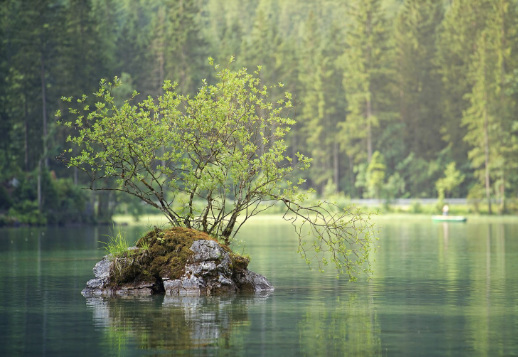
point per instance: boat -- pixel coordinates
(449, 218)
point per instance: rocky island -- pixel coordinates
(176, 262)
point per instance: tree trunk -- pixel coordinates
(230, 227)
(44, 109)
(486, 162)
(40, 199)
(104, 213)
(336, 166)
(503, 207)
(368, 99)
(369, 130)
(26, 135)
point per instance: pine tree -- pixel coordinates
(31, 39)
(321, 100)
(463, 21)
(261, 46)
(365, 77)
(418, 82)
(186, 51)
(491, 112)
(132, 35)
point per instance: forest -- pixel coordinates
(392, 98)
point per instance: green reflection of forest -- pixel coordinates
(346, 326)
(458, 280)
(453, 283)
(493, 277)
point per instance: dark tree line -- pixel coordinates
(392, 98)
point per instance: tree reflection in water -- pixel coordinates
(347, 326)
(171, 323)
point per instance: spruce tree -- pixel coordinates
(490, 115)
(365, 77)
(418, 82)
(321, 100)
(463, 21)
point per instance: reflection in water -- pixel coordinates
(446, 235)
(171, 323)
(437, 290)
(348, 326)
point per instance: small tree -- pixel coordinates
(376, 174)
(451, 180)
(210, 162)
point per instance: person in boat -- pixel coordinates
(445, 210)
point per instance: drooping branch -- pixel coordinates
(341, 237)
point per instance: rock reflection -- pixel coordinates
(171, 323)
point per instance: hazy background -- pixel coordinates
(393, 98)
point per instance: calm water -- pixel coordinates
(438, 289)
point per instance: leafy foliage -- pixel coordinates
(210, 161)
(376, 174)
(451, 180)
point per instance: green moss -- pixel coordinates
(239, 262)
(163, 253)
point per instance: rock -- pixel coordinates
(96, 286)
(208, 269)
(249, 281)
(185, 286)
(208, 273)
(206, 250)
(102, 269)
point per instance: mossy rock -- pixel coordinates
(163, 254)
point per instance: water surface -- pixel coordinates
(438, 289)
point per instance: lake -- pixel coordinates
(438, 289)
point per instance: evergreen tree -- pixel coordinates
(186, 51)
(418, 86)
(463, 21)
(10, 158)
(321, 100)
(31, 42)
(491, 112)
(132, 37)
(261, 46)
(418, 82)
(375, 175)
(365, 77)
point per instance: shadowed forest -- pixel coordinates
(392, 98)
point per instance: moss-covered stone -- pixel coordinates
(238, 261)
(163, 262)
(163, 254)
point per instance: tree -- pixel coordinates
(185, 48)
(490, 115)
(459, 31)
(321, 94)
(375, 175)
(365, 76)
(212, 175)
(451, 180)
(418, 82)
(31, 39)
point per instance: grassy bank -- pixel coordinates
(478, 209)
(160, 221)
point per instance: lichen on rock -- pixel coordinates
(177, 261)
